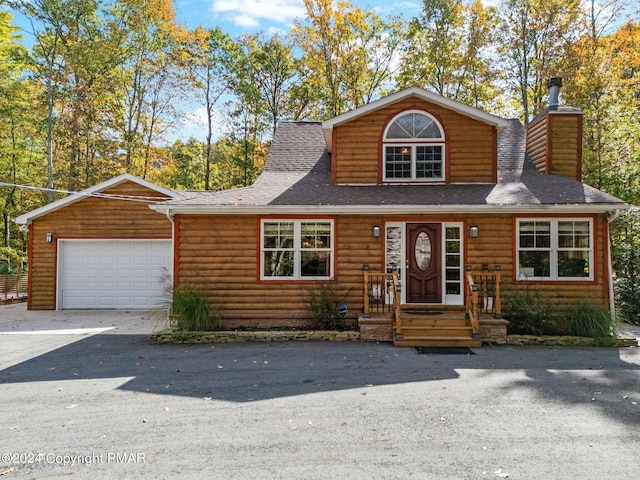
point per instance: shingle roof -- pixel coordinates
(297, 174)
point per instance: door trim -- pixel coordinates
(394, 250)
(424, 283)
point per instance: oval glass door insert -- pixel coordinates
(423, 251)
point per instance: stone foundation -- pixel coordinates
(262, 322)
(493, 330)
(568, 341)
(375, 329)
(178, 336)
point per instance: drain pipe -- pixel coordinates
(612, 302)
(173, 250)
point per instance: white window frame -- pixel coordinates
(554, 249)
(411, 145)
(298, 249)
(453, 299)
(448, 299)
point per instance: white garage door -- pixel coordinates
(112, 273)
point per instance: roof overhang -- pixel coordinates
(27, 218)
(582, 209)
(494, 120)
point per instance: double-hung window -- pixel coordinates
(413, 148)
(555, 249)
(296, 249)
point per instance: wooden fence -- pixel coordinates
(13, 286)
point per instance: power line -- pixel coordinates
(113, 196)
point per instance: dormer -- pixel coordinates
(413, 137)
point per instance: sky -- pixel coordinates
(269, 16)
(247, 16)
(251, 16)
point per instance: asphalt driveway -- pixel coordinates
(84, 395)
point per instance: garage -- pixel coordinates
(101, 248)
(110, 274)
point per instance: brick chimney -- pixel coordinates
(554, 137)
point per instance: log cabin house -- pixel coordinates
(415, 208)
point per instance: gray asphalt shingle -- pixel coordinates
(297, 173)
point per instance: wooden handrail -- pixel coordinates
(376, 288)
(382, 293)
(483, 295)
(366, 310)
(395, 285)
(472, 304)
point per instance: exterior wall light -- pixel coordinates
(49, 237)
(473, 231)
(376, 231)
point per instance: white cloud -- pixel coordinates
(197, 118)
(194, 124)
(245, 21)
(249, 13)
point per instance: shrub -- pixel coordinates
(193, 310)
(628, 299)
(588, 319)
(324, 306)
(529, 312)
(11, 261)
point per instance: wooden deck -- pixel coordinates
(434, 327)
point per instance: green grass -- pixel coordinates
(588, 319)
(194, 311)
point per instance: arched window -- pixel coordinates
(413, 148)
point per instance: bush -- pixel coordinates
(194, 311)
(627, 293)
(11, 261)
(529, 312)
(588, 319)
(324, 306)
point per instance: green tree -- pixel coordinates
(18, 133)
(49, 20)
(208, 57)
(434, 49)
(535, 36)
(148, 34)
(273, 69)
(348, 54)
(449, 50)
(185, 170)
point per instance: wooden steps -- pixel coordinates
(435, 328)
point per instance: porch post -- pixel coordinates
(366, 308)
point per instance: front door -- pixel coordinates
(423, 263)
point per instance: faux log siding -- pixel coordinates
(357, 246)
(554, 143)
(220, 255)
(564, 294)
(470, 143)
(566, 145)
(537, 143)
(496, 244)
(89, 218)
